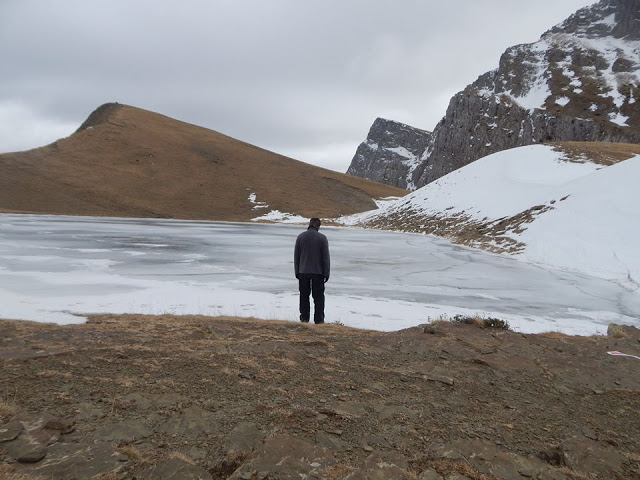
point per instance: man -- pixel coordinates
(311, 263)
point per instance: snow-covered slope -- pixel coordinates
(537, 202)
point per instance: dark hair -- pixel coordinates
(315, 221)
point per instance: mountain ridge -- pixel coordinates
(579, 82)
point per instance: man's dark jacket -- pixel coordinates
(311, 254)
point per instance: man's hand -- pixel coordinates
(297, 276)
(326, 279)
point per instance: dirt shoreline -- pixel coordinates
(133, 396)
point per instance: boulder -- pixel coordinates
(429, 474)
(591, 457)
(245, 437)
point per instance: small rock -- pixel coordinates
(367, 448)
(10, 431)
(438, 378)
(27, 448)
(336, 431)
(430, 474)
(31, 455)
(64, 426)
(589, 433)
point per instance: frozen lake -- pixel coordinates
(57, 269)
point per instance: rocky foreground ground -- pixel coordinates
(161, 397)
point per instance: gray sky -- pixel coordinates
(304, 78)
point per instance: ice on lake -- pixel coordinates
(59, 269)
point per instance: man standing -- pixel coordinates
(311, 263)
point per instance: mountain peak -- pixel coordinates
(614, 18)
(579, 82)
(100, 115)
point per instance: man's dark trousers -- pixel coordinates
(311, 283)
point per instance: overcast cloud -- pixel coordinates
(305, 78)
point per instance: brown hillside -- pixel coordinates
(129, 162)
(162, 397)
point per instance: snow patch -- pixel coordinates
(280, 217)
(257, 205)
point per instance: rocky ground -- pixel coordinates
(161, 397)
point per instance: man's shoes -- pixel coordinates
(318, 320)
(304, 320)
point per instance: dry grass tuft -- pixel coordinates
(554, 335)
(482, 322)
(180, 456)
(337, 471)
(7, 410)
(601, 153)
(448, 466)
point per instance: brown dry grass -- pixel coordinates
(135, 163)
(446, 466)
(180, 456)
(7, 410)
(337, 471)
(602, 153)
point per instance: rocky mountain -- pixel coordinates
(128, 162)
(390, 153)
(579, 82)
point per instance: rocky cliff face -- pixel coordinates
(579, 82)
(391, 153)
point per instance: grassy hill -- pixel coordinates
(128, 162)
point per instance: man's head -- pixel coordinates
(315, 222)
